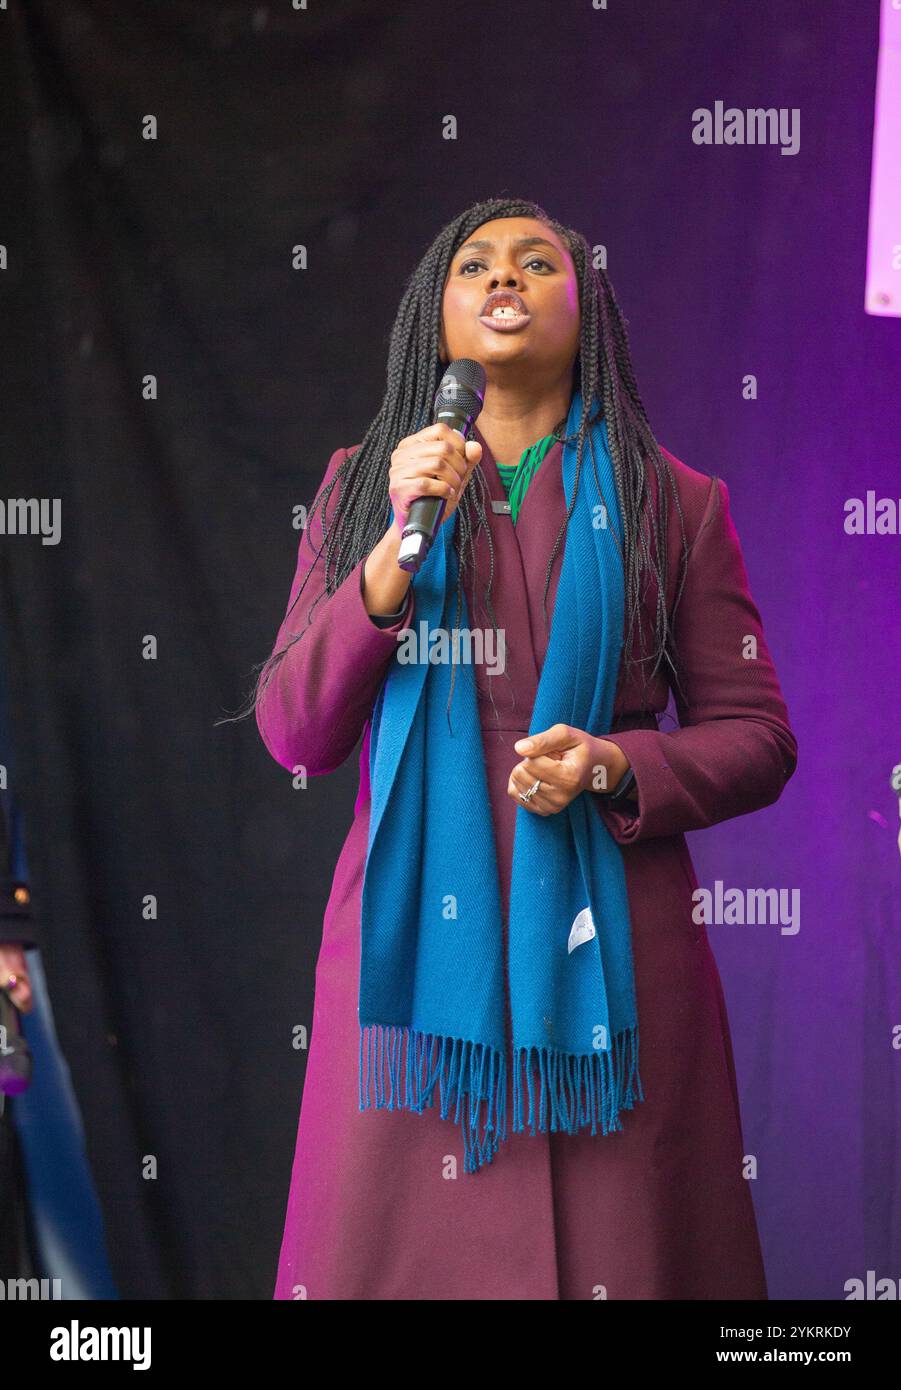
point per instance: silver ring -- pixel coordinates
(527, 796)
(11, 982)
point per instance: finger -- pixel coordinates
(438, 430)
(538, 802)
(408, 492)
(550, 770)
(474, 458)
(436, 458)
(423, 436)
(558, 737)
(438, 437)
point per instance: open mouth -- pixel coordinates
(505, 318)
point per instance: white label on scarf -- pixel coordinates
(581, 930)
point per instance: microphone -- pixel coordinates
(458, 401)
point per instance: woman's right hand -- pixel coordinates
(434, 462)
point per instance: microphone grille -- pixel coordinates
(463, 384)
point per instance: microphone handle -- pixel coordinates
(421, 527)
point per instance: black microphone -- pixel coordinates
(458, 401)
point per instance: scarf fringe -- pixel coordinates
(579, 1090)
(459, 1068)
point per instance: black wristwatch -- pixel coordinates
(383, 619)
(622, 786)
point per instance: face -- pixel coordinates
(525, 256)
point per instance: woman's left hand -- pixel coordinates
(567, 761)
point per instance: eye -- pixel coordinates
(533, 260)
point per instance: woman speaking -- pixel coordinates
(520, 1082)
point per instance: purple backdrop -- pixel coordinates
(737, 260)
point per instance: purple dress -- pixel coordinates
(379, 1205)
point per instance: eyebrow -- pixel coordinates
(520, 241)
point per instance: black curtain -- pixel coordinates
(172, 258)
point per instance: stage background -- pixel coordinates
(173, 257)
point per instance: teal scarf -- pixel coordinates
(432, 1001)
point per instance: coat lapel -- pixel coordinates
(521, 553)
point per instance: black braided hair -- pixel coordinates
(603, 369)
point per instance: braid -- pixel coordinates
(362, 513)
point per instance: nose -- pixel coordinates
(505, 275)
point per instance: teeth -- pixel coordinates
(506, 311)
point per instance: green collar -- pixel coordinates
(516, 477)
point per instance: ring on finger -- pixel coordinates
(527, 796)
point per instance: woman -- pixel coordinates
(651, 1203)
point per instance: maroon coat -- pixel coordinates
(377, 1208)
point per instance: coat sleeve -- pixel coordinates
(734, 750)
(318, 697)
